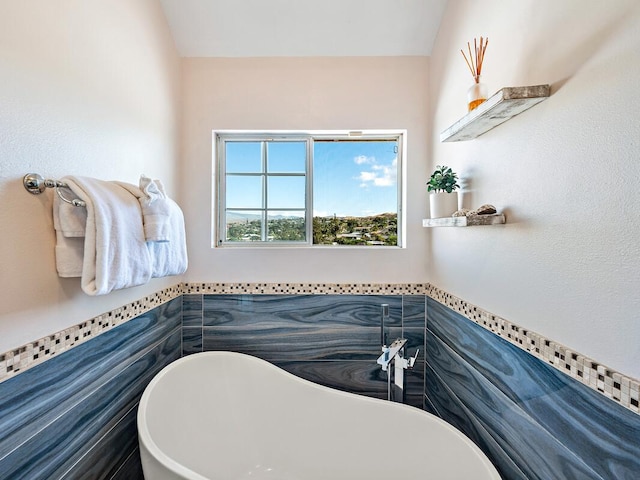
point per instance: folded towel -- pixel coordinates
(69, 255)
(69, 219)
(155, 210)
(168, 257)
(115, 251)
(70, 229)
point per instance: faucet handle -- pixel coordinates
(412, 360)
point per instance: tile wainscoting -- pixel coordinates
(93, 374)
(533, 421)
(333, 340)
(74, 416)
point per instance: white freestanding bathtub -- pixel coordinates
(224, 415)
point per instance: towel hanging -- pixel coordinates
(124, 235)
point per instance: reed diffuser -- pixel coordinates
(477, 93)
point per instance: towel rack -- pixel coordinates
(35, 184)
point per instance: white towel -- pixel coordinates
(69, 243)
(67, 218)
(169, 257)
(115, 251)
(155, 210)
(69, 255)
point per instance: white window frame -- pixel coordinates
(219, 174)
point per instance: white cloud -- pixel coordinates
(379, 175)
(364, 160)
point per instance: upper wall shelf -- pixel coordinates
(500, 107)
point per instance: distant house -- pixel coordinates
(354, 235)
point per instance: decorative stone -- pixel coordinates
(463, 212)
(485, 209)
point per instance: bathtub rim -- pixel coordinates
(166, 461)
(144, 436)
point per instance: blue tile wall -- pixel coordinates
(74, 416)
(191, 324)
(333, 340)
(533, 421)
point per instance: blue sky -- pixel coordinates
(354, 178)
(350, 178)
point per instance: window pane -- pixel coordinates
(287, 157)
(244, 191)
(243, 157)
(286, 192)
(244, 226)
(286, 226)
(355, 192)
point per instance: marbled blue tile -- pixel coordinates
(441, 401)
(38, 396)
(131, 469)
(428, 406)
(303, 329)
(116, 453)
(274, 342)
(191, 340)
(413, 311)
(414, 378)
(414, 386)
(529, 405)
(192, 310)
(297, 327)
(38, 407)
(415, 340)
(66, 440)
(364, 378)
(301, 310)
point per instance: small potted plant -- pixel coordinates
(443, 199)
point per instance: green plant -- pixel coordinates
(443, 179)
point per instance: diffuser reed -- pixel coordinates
(477, 93)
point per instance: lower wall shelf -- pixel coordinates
(470, 221)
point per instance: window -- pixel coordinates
(309, 188)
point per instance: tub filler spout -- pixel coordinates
(395, 353)
(390, 353)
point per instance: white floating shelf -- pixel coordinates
(470, 221)
(500, 107)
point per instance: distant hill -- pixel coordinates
(379, 229)
(242, 217)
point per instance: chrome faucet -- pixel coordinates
(390, 353)
(394, 353)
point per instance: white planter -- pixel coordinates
(443, 204)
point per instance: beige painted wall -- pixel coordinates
(92, 88)
(86, 88)
(302, 93)
(567, 264)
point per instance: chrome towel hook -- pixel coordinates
(35, 184)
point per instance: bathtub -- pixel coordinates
(224, 415)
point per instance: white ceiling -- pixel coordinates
(262, 28)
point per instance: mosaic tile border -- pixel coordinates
(619, 388)
(308, 288)
(614, 385)
(21, 359)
